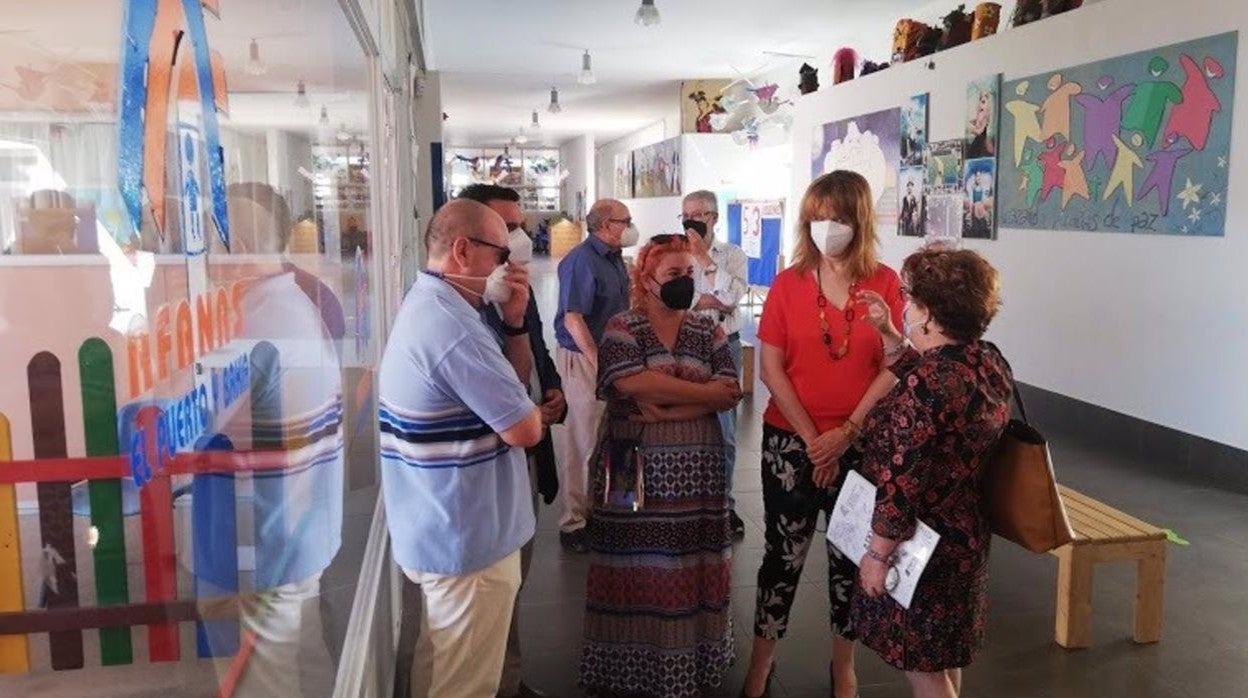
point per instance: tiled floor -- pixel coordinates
(1203, 653)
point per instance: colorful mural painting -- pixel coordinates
(656, 169)
(870, 145)
(1138, 143)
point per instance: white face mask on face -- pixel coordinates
(630, 236)
(831, 237)
(521, 247)
(496, 288)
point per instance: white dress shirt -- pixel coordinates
(729, 283)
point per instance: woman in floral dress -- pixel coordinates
(926, 447)
(658, 613)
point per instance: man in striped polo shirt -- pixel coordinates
(455, 420)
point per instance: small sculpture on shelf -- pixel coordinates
(844, 61)
(929, 42)
(808, 80)
(957, 28)
(987, 17)
(869, 67)
(1057, 7)
(906, 38)
(1026, 12)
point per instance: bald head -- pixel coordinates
(603, 211)
(462, 218)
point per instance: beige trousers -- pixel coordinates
(464, 626)
(580, 434)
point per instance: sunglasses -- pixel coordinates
(504, 253)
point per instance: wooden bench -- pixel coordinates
(1104, 534)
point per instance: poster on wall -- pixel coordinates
(870, 145)
(945, 192)
(624, 175)
(913, 220)
(979, 210)
(699, 101)
(983, 99)
(1137, 144)
(914, 131)
(756, 227)
(656, 170)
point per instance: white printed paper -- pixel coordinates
(849, 529)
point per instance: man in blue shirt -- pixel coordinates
(455, 417)
(593, 287)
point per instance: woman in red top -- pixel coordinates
(825, 365)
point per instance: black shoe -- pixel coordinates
(766, 686)
(574, 541)
(527, 691)
(736, 524)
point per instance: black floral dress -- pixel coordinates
(926, 446)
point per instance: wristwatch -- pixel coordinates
(516, 331)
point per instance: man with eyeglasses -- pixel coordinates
(720, 282)
(593, 287)
(455, 416)
(546, 385)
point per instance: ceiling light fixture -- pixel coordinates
(554, 107)
(586, 76)
(521, 138)
(343, 134)
(301, 95)
(535, 125)
(255, 66)
(647, 14)
(324, 120)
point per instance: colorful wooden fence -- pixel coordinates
(106, 462)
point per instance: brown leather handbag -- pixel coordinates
(1020, 491)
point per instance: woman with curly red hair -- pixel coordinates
(658, 612)
(926, 445)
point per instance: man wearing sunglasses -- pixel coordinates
(593, 287)
(455, 416)
(546, 386)
(720, 282)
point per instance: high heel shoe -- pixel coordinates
(766, 685)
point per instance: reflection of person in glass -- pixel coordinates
(296, 409)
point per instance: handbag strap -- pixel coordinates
(1018, 396)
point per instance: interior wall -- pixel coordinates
(1148, 325)
(577, 156)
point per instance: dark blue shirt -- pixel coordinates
(593, 281)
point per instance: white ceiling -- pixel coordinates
(499, 58)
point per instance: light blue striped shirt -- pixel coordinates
(457, 497)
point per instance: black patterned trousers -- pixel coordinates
(792, 503)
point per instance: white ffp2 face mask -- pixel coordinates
(630, 236)
(496, 289)
(521, 247)
(831, 237)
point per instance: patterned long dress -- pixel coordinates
(658, 618)
(926, 446)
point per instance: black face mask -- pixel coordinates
(677, 294)
(696, 226)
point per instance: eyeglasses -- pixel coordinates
(504, 253)
(623, 221)
(700, 216)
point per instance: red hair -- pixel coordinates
(648, 260)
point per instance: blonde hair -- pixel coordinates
(848, 195)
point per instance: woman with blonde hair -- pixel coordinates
(658, 613)
(824, 362)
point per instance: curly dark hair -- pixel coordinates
(960, 289)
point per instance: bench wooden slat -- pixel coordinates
(1099, 526)
(1071, 496)
(1084, 507)
(1090, 527)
